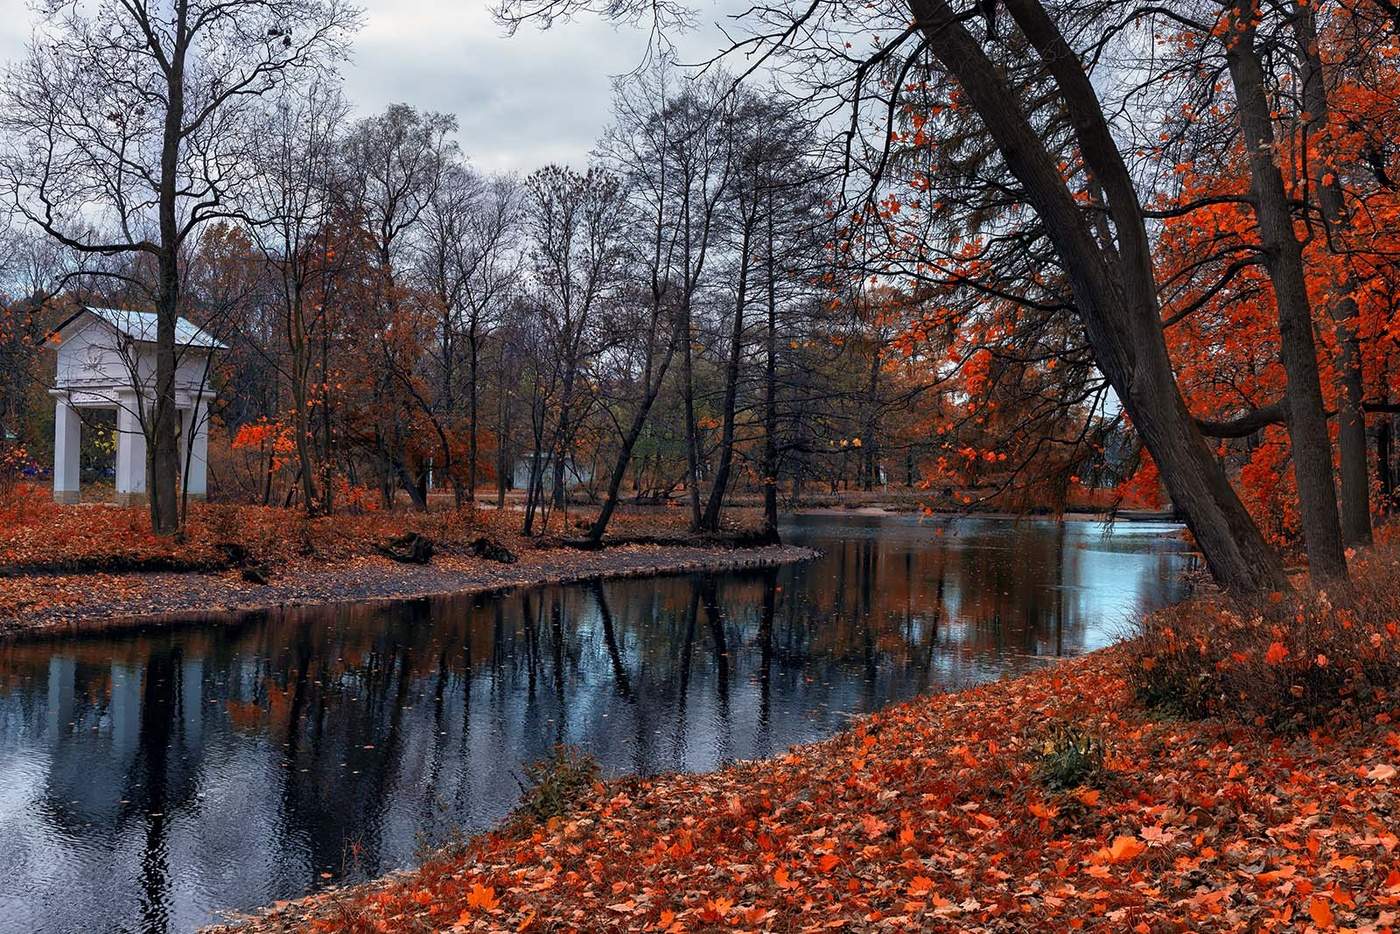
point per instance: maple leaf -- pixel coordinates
(482, 897)
(1321, 912)
(1124, 848)
(715, 909)
(920, 885)
(873, 826)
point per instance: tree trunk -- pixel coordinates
(869, 464)
(692, 441)
(1351, 417)
(473, 351)
(1383, 461)
(624, 457)
(651, 389)
(296, 341)
(1115, 294)
(1283, 257)
(718, 488)
(770, 393)
(163, 455)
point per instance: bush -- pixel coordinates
(1070, 758)
(1287, 661)
(554, 786)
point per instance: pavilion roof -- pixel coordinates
(141, 326)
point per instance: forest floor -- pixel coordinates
(98, 567)
(951, 812)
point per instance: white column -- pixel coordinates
(195, 419)
(67, 438)
(131, 455)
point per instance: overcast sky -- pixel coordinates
(521, 101)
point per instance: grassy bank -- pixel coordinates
(99, 566)
(1091, 795)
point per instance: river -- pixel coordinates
(150, 780)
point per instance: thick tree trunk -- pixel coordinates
(163, 454)
(1115, 298)
(1351, 417)
(1283, 257)
(163, 462)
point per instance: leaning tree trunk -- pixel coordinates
(629, 444)
(718, 489)
(1115, 293)
(1283, 257)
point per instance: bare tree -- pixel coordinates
(640, 146)
(471, 262)
(127, 129)
(289, 206)
(574, 222)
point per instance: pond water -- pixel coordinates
(149, 780)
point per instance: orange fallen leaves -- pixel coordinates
(1321, 913)
(482, 897)
(1125, 848)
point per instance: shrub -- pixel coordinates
(554, 786)
(1286, 661)
(1070, 757)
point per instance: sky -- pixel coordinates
(520, 101)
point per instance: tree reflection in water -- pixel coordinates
(152, 779)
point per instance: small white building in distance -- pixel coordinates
(575, 475)
(107, 360)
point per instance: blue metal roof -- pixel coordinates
(141, 326)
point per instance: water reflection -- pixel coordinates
(149, 780)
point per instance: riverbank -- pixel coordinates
(957, 812)
(97, 568)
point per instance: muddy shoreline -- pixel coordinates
(113, 602)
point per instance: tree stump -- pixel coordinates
(408, 549)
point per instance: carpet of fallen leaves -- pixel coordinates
(929, 816)
(36, 533)
(66, 562)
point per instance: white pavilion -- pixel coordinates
(107, 360)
